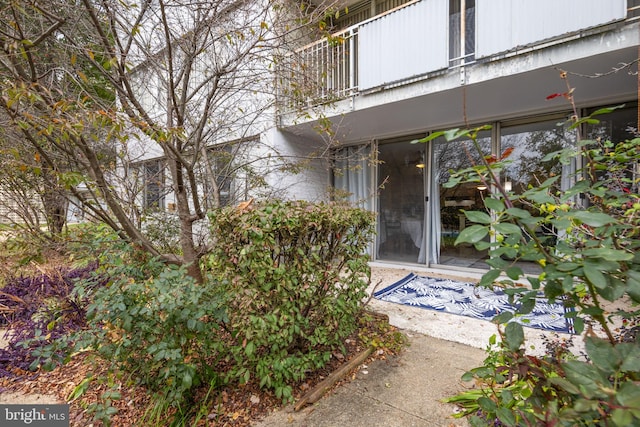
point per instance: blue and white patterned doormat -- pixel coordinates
(465, 299)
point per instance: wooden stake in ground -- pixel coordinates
(319, 390)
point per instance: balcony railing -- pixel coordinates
(633, 10)
(320, 72)
(416, 39)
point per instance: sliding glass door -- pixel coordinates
(401, 209)
(529, 144)
(449, 203)
(419, 217)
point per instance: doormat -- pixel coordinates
(465, 299)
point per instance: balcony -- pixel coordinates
(424, 39)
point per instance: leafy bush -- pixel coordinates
(147, 319)
(594, 261)
(91, 240)
(155, 323)
(163, 229)
(19, 248)
(555, 389)
(292, 275)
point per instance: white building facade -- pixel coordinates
(395, 72)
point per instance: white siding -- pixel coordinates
(402, 44)
(505, 24)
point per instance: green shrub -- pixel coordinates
(153, 322)
(163, 230)
(293, 276)
(20, 247)
(90, 240)
(594, 261)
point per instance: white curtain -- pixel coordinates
(352, 175)
(435, 228)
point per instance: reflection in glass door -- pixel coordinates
(529, 144)
(401, 202)
(449, 204)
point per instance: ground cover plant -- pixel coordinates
(150, 344)
(40, 309)
(590, 262)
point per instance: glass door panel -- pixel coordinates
(618, 126)
(401, 202)
(449, 204)
(529, 144)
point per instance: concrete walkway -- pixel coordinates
(404, 391)
(407, 390)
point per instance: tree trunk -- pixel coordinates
(190, 254)
(54, 204)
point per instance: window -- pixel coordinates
(217, 176)
(153, 189)
(353, 180)
(448, 203)
(617, 126)
(462, 31)
(529, 144)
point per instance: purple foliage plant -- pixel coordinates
(36, 311)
